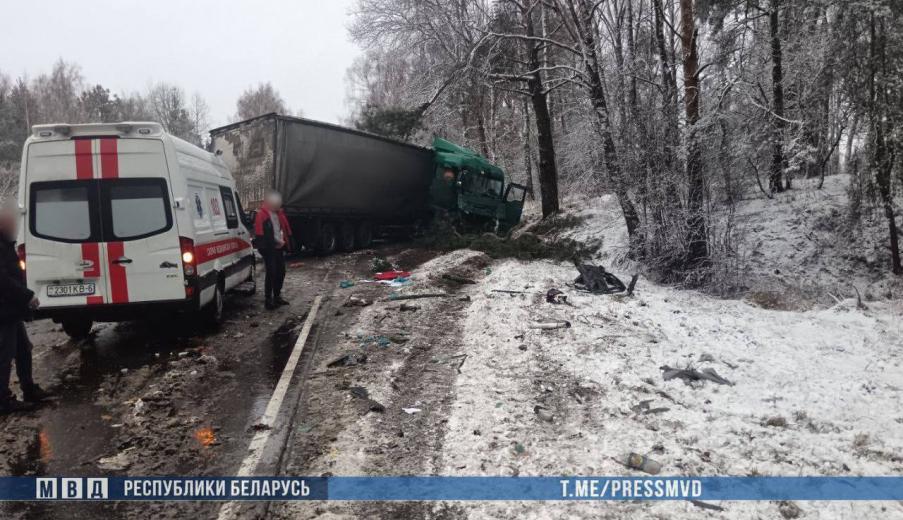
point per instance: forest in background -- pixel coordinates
(65, 95)
(681, 108)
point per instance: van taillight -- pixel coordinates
(187, 247)
(21, 252)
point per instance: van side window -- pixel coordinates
(198, 207)
(217, 213)
(229, 207)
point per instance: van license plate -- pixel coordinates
(72, 289)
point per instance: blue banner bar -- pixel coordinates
(449, 488)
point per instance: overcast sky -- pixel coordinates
(215, 47)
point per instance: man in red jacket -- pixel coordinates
(273, 233)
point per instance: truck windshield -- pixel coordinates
(481, 185)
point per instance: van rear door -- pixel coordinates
(100, 223)
(142, 239)
(65, 259)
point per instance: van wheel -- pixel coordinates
(252, 280)
(213, 312)
(78, 329)
(327, 243)
(364, 235)
(348, 237)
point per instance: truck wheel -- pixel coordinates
(364, 235)
(347, 237)
(77, 328)
(327, 243)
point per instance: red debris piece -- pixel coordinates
(392, 275)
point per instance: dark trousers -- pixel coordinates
(14, 344)
(274, 263)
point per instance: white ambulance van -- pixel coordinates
(119, 221)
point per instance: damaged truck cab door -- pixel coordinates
(513, 207)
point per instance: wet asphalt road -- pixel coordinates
(161, 397)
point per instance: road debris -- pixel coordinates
(789, 509)
(691, 374)
(595, 279)
(346, 284)
(463, 358)
(206, 437)
(705, 505)
(458, 279)
(644, 408)
(411, 411)
(557, 297)
(357, 301)
(642, 463)
(388, 276)
(544, 414)
(362, 393)
(551, 325)
(119, 462)
(400, 297)
(776, 422)
(406, 307)
(398, 338)
(348, 360)
(379, 341)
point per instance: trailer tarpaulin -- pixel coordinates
(321, 168)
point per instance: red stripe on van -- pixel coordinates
(84, 170)
(206, 252)
(84, 160)
(109, 159)
(119, 281)
(91, 253)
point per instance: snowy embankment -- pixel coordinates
(814, 392)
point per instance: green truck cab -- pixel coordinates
(473, 191)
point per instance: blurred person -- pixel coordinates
(16, 304)
(273, 233)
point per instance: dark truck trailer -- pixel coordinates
(339, 186)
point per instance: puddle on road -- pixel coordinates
(281, 343)
(74, 431)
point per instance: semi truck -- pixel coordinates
(342, 187)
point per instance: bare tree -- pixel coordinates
(169, 106)
(697, 241)
(259, 100)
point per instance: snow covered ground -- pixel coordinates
(815, 392)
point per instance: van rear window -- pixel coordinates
(62, 211)
(137, 208)
(100, 210)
